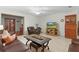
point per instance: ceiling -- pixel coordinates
(39, 10)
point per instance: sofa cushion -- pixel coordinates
(9, 39)
(16, 46)
(5, 32)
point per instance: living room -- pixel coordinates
(39, 16)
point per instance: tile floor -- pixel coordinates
(57, 44)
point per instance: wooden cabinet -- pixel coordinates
(70, 26)
(21, 29)
(9, 24)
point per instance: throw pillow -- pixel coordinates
(9, 39)
(5, 34)
(6, 40)
(13, 36)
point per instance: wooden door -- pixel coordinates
(9, 24)
(70, 26)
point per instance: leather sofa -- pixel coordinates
(15, 46)
(32, 30)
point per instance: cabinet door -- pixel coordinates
(73, 19)
(12, 25)
(70, 26)
(9, 24)
(67, 20)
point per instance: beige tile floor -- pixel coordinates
(57, 44)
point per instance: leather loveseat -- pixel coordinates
(32, 30)
(15, 46)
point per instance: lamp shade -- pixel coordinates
(1, 27)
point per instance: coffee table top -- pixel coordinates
(37, 40)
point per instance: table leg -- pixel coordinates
(42, 48)
(30, 46)
(48, 47)
(27, 42)
(36, 49)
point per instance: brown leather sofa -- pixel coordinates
(15, 46)
(32, 30)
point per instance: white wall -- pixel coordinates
(32, 20)
(29, 20)
(55, 18)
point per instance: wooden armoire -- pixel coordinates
(9, 24)
(70, 26)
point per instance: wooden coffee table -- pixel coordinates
(38, 41)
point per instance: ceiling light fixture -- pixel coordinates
(69, 6)
(37, 13)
